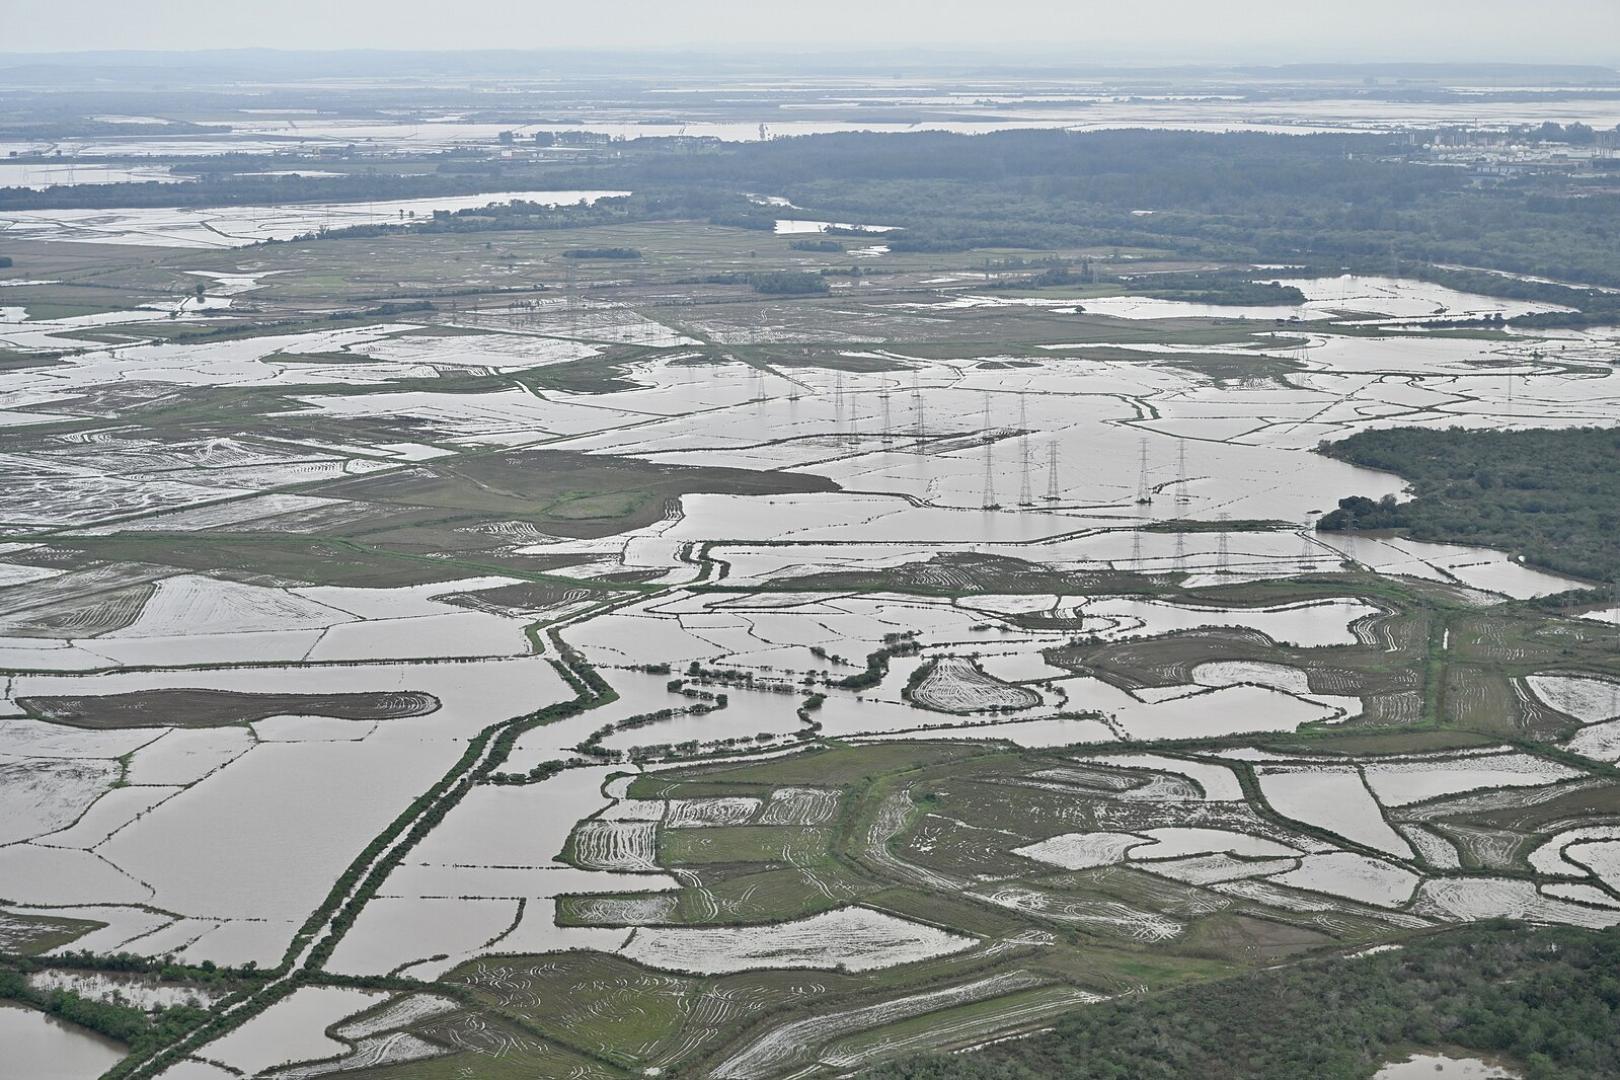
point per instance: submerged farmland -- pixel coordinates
(454, 655)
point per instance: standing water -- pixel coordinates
(41, 1047)
(1428, 1065)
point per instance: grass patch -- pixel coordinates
(571, 494)
(219, 708)
(743, 844)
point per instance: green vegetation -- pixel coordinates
(1551, 498)
(31, 935)
(659, 202)
(788, 283)
(591, 375)
(602, 253)
(775, 282)
(12, 360)
(1202, 287)
(313, 561)
(877, 662)
(1312, 200)
(939, 832)
(218, 708)
(1546, 999)
(958, 574)
(1223, 287)
(563, 492)
(143, 1032)
(929, 832)
(229, 189)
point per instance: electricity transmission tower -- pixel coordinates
(1144, 491)
(838, 404)
(989, 460)
(917, 429)
(1025, 497)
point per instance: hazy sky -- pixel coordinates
(1249, 31)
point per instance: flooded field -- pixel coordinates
(736, 106)
(242, 225)
(619, 668)
(40, 1046)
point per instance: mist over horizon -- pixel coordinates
(1266, 32)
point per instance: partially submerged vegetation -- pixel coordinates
(564, 492)
(1551, 497)
(1542, 999)
(218, 708)
(366, 614)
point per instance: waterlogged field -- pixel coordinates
(631, 676)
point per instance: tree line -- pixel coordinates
(1548, 1000)
(1550, 497)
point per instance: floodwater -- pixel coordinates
(292, 1030)
(238, 226)
(1425, 1066)
(41, 175)
(138, 991)
(810, 107)
(34, 1046)
(1335, 799)
(1057, 459)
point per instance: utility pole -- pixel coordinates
(989, 460)
(838, 404)
(571, 299)
(1183, 499)
(1144, 490)
(918, 431)
(1025, 498)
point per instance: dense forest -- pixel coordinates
(1547, 1000)
(1346, 199)
(716, 207)
(1351, 200)
(255, 189)
(1343, 201)
(1550, 497)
